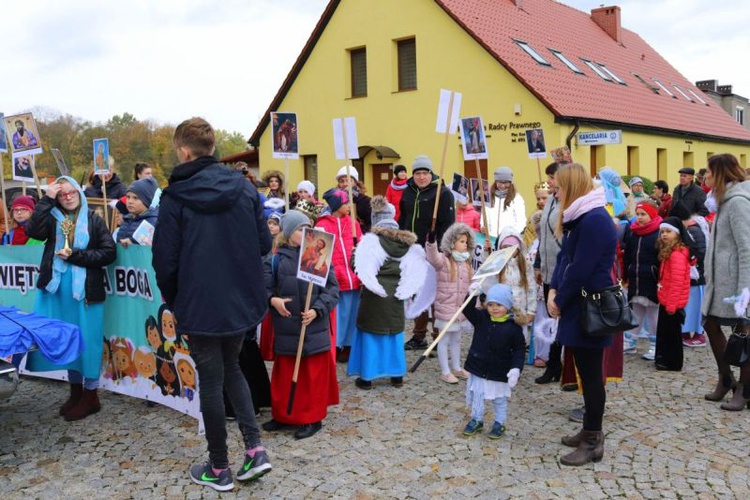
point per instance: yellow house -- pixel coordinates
(519, 64)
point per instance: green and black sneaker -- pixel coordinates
(204, 474)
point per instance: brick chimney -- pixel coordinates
(608, 19)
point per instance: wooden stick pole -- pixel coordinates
(23, 188)
(104, 192)
(435, 342)
(301, 343)
(36, 180)
(481, 198)
(352, 209)
(539, 169)
(442, 162)
(287, 194)
(5, 201)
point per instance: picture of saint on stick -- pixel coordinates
(284, 133)
(24, 135)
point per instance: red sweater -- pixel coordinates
(394, 193)
(343, 246)
(673, 289)
(469, 216)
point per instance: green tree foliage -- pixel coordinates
(130, 141)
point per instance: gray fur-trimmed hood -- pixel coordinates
(453, 233)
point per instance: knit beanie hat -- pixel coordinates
(504, 174)
(509, 240)
(398, 169)
(421, 162)
(649, 209)
(335, 198)
(293, 220)
(673, 224)
(144, 189)
(276, 217)
(383, 213)
(500, 294)
(352, 173)
(23, 202)
(307, 186)
(635, 180)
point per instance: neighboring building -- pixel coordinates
(519, 65)
(736, 105)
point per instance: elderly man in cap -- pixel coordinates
(690, 194)
(417, 205)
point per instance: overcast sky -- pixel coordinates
(170, 59)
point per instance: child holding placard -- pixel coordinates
(317, 387)
(140, 215)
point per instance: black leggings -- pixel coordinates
(589, 365)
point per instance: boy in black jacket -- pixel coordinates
(207, 251)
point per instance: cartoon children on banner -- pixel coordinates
(315, 256)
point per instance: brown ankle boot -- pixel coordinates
(725, 383)
(573, 441)
(88, 405)
(740, 398)
(76, 391)
(591, 448)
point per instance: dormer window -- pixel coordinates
(533, 53)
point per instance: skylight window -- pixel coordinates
(567, 62)
(698, 97)
(610, 73)
(597, 70)
(678, 89)
(665, 89)
(533, 53)
(650, 85)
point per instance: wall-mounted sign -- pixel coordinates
(599, 138)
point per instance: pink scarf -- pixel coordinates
(585, 204)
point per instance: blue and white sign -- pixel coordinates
(599, 138)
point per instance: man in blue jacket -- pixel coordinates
(207, 257)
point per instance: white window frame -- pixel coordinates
(698, 97)
(567, 62)
(739, 114)
(533, 53)
(681, 92)
(597, 70)
(664, 88)
(610, 73)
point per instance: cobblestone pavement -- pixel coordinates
(662, 441)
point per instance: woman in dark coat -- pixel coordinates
(585, 261)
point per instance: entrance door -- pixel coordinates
(382, 173)
(470, 170)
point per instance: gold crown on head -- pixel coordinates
(541, 186)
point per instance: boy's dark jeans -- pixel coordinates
(217, 362)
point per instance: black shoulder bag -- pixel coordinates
(606, 312)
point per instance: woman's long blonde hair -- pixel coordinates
(572, 182)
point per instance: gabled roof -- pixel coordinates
(546, 24)
(496, 25)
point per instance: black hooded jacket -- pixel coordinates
(417, 206)
(207, 249)
(116, 189)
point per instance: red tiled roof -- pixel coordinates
(546, 24)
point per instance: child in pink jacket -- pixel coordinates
(454, 272)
